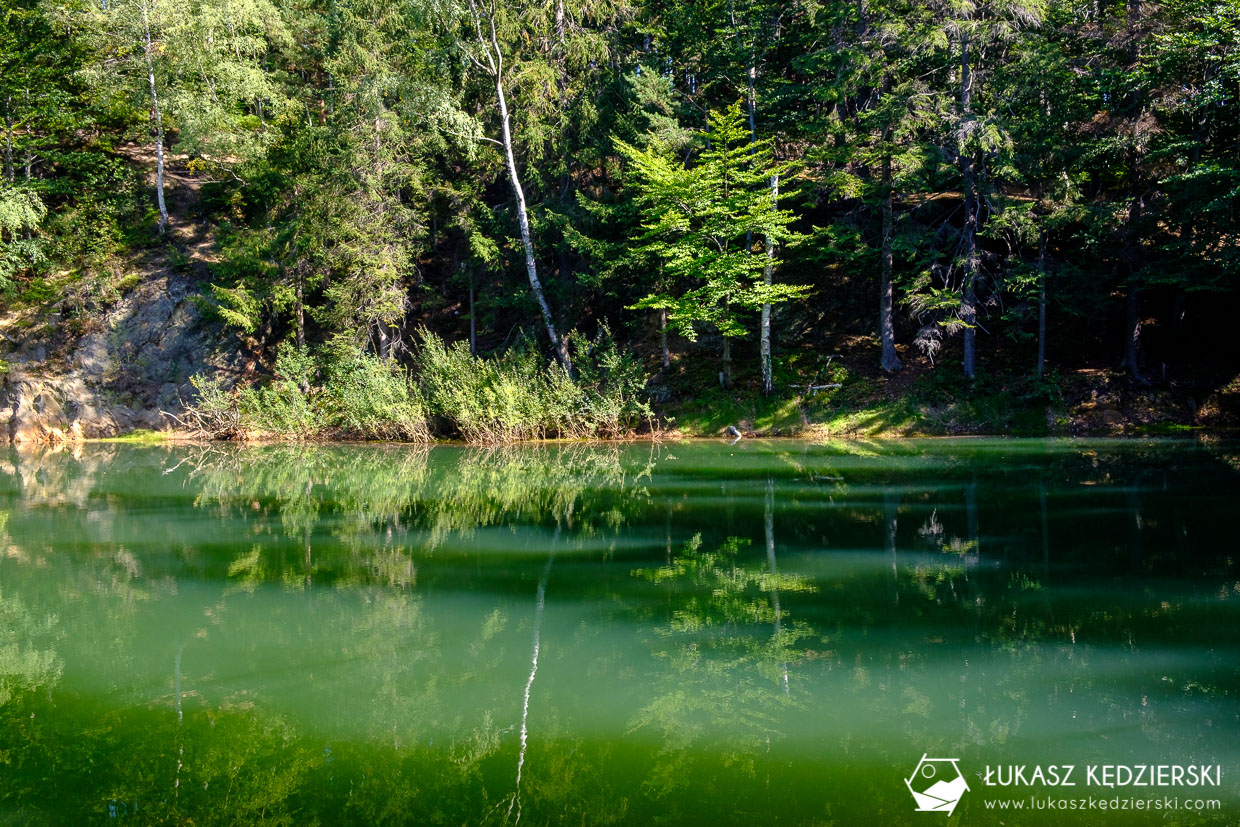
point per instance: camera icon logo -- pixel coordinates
(937, 784)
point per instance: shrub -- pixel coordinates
(523, 396)
(612, 382)
(342, 391)
(371, 398)
(284, 407)
(216, 413)
(361, 397)
(484, 400)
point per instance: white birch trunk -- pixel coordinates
(764, 342)
(495, 60)
(159, 123)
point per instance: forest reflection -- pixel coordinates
(683, 632)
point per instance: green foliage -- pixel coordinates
(24, 665)
(215, 413)
(21, 210)
(701, 221)
(237, 307)
(369, 397)
(522, 396)
(340, 392)
(487, 401)
(37, 291)
(348, 165)
(284, 405)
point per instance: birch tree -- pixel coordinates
(202, 58)
(485, 53)
(133, 55)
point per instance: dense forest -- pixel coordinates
(507, 219)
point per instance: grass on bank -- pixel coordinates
(342, 392)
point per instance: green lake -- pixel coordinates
(772, 632)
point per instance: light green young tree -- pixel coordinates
(701, 220)
(21, 211)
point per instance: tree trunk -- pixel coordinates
(1132, 248)
(1132, 322)
(540, 605)
(891, 515)
(1132, 331)
(176, 689)
(971, 522)
(968, 245)
(764, 329)
(768, 379)
(889, 361)
(29, 153)
(1046, 532)
(1041, 303)
(385, 340)
(725, 377)
(158, 120)
(300, 313)
(8, 140)
(523, 220)
(473, 320)
(308, 558)
(667, 356)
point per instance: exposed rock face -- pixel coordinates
(132, 363)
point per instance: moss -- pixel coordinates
(899, 417)
(36, 292)
(127, 283)
(1157, 428)
(864, 407)
(141, 436)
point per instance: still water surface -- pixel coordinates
(771, 632)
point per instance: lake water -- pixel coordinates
(769, 632)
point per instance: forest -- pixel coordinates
(503, 220)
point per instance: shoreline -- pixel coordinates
(180, 438)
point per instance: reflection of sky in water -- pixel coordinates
(999, 600)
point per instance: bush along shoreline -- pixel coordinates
(340, 391)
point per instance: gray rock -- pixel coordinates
(136, 362)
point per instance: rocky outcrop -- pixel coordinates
(133, 361)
